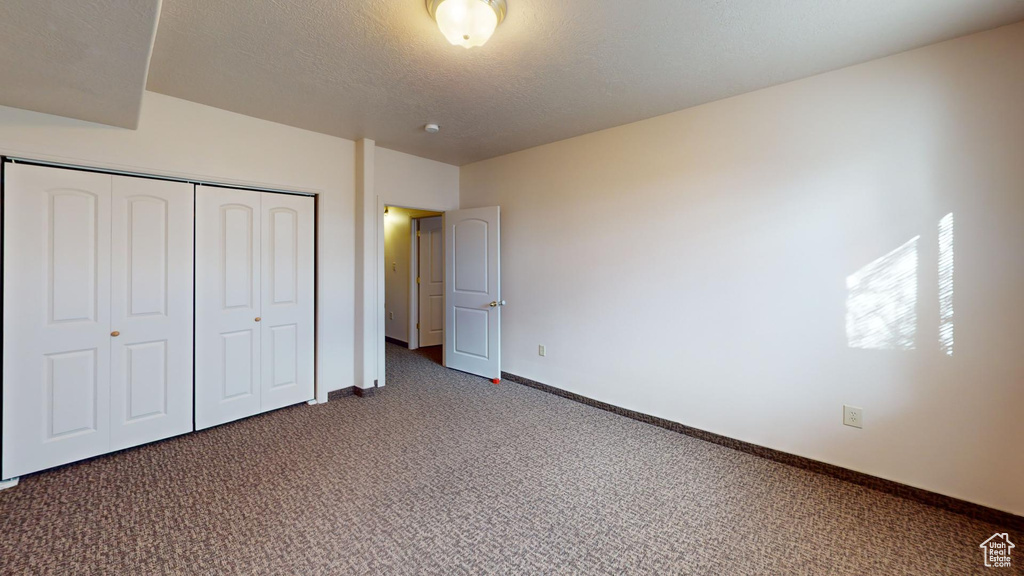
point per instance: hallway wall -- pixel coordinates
(397, 260)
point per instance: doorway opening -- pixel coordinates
(414, 273)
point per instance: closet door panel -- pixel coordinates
(151, 310)
(287, 358)
(56, 341)
(228, 300)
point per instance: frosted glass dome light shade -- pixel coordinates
(467, 23)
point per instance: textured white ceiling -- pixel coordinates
(381, 69)
(554, 69)
(84, 59)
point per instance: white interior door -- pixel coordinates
(56, 338)
(431, 285)
(151, 310)
(228, 300)
(287, 308)
(472, 291)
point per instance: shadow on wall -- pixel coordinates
(882, 300)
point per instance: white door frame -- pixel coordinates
(414, 288)
(381, 265)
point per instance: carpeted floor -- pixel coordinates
(444, 473)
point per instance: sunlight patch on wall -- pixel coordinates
(946, 284)
(881, 304)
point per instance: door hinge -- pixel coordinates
(417, 233)
(417, 279)
(417, 325)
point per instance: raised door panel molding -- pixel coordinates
(469, 256)
(148, 244)
(284, 263)
(72, 391)
(237, 245)
(72, 255)
(284, 343)
(147, 382)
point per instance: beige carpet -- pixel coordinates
(444, 473)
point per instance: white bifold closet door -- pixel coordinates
(97, 314)
(151, 262)
(254, 303)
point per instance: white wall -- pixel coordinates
(397, 261)
(414, 182)
(180, 138)
(694, 266)
(385, 177)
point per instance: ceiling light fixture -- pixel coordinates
(467, 23)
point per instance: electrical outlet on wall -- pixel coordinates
(391, 315)
(542, 350)
(853, 416)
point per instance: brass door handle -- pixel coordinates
(258, 318)
(115, 333)
(495, 304)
